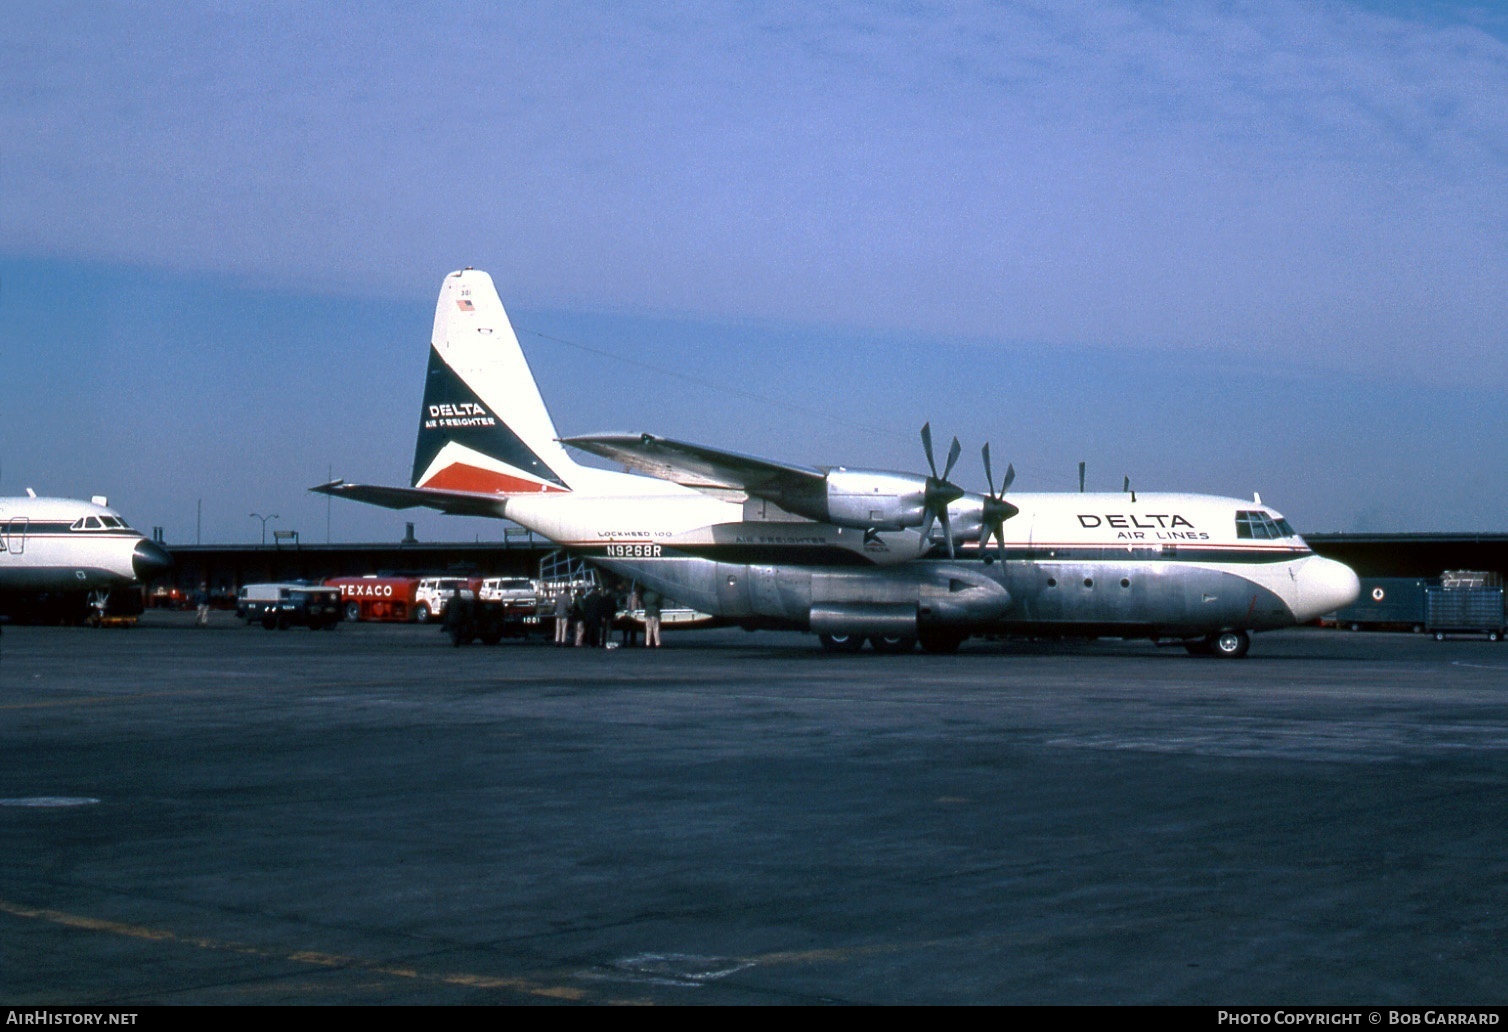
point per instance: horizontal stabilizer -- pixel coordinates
(456, 503)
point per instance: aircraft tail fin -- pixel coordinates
(484, 427)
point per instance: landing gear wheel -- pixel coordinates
(892, 644)
(941, 642)
(1229, 644)
(842, 642)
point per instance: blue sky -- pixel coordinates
(1217, 247)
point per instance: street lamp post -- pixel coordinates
(264, 519)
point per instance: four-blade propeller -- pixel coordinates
(939, 492)
(996, 509)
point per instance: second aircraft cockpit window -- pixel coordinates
(98, 523)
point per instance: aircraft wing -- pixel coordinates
(457, 503)
(696, 465)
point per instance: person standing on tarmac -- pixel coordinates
(651, 619)
(606, 614)
(596, 604)
(563, 618)
(630, 623)
(457, 612)
(578, 617)
(201, 605)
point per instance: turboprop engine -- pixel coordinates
(880, 500)
(864, 498)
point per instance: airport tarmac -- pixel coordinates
(370, 815)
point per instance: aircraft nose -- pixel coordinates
(1324, 586)
(149, 560)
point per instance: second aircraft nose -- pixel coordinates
(149, 559)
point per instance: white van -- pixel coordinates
(434, 592)
(282, 605)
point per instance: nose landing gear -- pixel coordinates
(1230, 644)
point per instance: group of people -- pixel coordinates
(584, 617)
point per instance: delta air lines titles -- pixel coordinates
(1134, 526)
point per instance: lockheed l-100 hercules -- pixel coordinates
(852, 555)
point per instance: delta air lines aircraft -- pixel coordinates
(853, 555)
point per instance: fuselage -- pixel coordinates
(67, 545)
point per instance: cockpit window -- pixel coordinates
(98, 523)
(1260, 526)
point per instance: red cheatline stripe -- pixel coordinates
(460, 477)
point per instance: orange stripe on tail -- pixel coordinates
(458, 476)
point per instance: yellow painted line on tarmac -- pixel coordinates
(834, 954)
(466, 980)
(523, 986)
(839, 954)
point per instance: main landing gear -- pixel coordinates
(935, 641)
(842, 642)
(885, 644)
(893, 644)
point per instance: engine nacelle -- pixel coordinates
(965, 520)
(864, 498)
